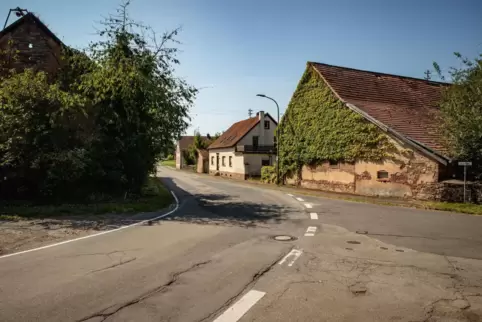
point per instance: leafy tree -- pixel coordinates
(199, 143)
(461, 112)
(101, 123)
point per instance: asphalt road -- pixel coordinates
(215, 259)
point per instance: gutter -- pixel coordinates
(412, 143)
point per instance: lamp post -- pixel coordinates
(278, 138)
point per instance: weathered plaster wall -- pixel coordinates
(406, 171)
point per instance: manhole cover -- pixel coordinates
(284, 238)
(353, 242)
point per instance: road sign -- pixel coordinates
(466, 164)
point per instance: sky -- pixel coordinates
(234, 50)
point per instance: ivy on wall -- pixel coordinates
(317, 127)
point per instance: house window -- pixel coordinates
(212, 160)
(230, 161)
(265, 162)
(382, 174)
(334, 164)
(255, 140)
(224, 161)
(266, 125)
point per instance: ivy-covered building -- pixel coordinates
(363, 132)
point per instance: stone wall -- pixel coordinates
(448, 191)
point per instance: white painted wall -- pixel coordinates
(237, 165)
(178, 156)
(268, 135)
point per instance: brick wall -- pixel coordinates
(36, 48)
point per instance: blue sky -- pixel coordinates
(237, 49)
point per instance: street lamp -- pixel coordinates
(277, 135)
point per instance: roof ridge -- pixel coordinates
(380, 73)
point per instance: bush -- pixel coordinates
(268, 174)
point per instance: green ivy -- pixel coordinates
(317, 127)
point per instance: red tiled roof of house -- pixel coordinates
(407, 105)
(235, 133)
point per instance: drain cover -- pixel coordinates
(353, 242)
(284, 238)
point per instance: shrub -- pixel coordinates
(268, 174)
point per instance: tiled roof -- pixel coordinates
(235, 133)
(407, 105)
(187, 140)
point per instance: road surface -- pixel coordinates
(216, 259)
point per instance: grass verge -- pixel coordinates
(154, 197)
(466, 208)
(169, 163)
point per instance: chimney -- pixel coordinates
(261, 127)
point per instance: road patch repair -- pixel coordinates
(33, 235)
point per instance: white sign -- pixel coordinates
(465, 163)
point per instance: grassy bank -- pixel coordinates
(466, 208)
(153, 197)
(169, 163)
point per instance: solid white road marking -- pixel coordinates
(310, 232)
(299, 199)
(308, 205)
(98, 234)
(295, 253)
(314, 215)
(238, 309)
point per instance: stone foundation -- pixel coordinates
(233, 175)
(328, 186)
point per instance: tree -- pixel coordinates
(101, 123)
(198, 144)
(461, 112)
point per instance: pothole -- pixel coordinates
(353, 242)
(284, 238)
(384, 248)
(399, 250)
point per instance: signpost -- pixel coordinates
(465, 165)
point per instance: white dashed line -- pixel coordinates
(295, 253)
(310, 232)
(299, 199)
(238, 309)
(314, 215)
(308, 205)
(289, 194)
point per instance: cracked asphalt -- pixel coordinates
(406, 265)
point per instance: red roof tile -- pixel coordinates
(235, 133)
(407, 105)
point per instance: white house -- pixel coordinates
(244, 148)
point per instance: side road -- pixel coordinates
(440, 232)
(387, 201)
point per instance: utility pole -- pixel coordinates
(427, 74)
(250, 112)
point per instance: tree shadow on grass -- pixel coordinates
(224, 209)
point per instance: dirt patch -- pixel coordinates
(19, 235)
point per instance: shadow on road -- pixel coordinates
(224, 209)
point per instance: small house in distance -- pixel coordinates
(182, 147)
(244, 148)
(368, 133)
